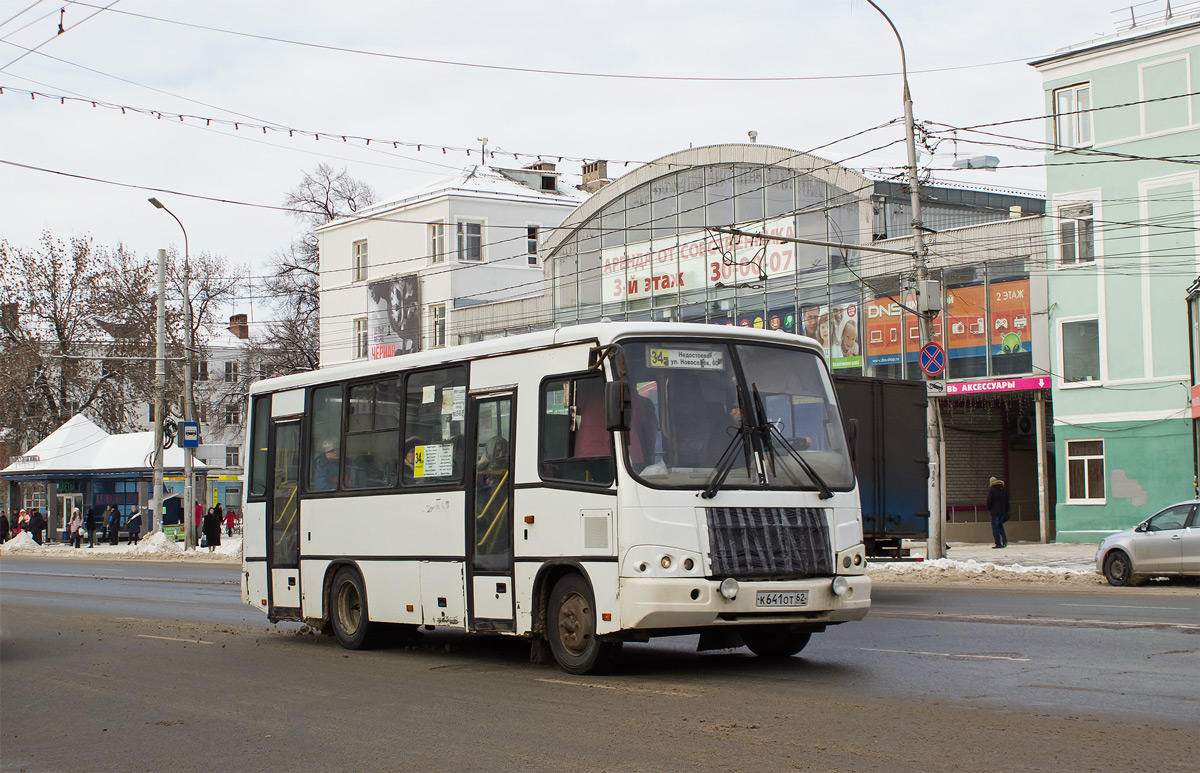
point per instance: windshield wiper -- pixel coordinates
(725, 465)
(766, 429)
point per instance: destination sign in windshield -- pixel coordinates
(689, 359)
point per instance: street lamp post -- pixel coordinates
(936, 548)
(160, 385)
(189, 401)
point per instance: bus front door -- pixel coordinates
(489, 514)
(283, 521)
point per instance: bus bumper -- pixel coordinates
(671, 602)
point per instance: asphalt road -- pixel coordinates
(153, 666)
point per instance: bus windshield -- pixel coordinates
(747, 415)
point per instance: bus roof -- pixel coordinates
(601, 333)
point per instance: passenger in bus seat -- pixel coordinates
(699, 433)
(324, 474)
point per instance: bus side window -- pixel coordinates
(435, 412)
(373, 435)
(575, 445)
(325, 439)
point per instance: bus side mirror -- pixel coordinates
(852, 439)
(616, 407)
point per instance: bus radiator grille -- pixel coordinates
(769, 542)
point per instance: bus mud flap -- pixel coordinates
(719, 639)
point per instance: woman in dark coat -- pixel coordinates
(212, 529)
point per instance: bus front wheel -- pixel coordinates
(571, 629)
(774, 641)
(348, 609)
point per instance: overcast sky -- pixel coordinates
(230, 72)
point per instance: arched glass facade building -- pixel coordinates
(642, 247)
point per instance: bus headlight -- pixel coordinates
(665, 562)
(840, 586)
(729, 588)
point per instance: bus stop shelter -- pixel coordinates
(81, 465)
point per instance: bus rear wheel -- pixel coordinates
(348, 609)
(571, 629)
(774, 641)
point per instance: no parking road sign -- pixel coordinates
(933, 359)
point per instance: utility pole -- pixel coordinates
(936, 548)
(160, 386)
(189, 398)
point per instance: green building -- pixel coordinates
(1123, 190)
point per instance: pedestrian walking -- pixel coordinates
(89, 522)
(22, 523)
(212, 529)
(134, 525)
(5, 529)
(997, 505)
(199, 513)
(76, 528)
(114, 525)
(230, 517)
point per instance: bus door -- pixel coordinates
(489, 513)
(283, 519)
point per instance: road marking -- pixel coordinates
(1030, 620)
(624, 688)
(191, 580)
(1128, 606)
(171, 638)
(947, 654)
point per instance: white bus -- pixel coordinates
(580, 487)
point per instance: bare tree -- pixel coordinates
(77, 329)
(291, 343)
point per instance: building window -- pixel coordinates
(470, 241)
(1076, 235)
(1085, 471)
(1159, 80)
(531, 243)
(438, 316)
(549, 182)
(233, 415)
(359, 270)
(232, 371)
(1073, 117)
(360, 338)
(1080, 351)
(203, 410)
(437, 242)
(231, 456)
(201, 371)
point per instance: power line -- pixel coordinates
(540, 71)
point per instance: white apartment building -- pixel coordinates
(394, 275)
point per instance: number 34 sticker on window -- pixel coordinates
(689, 359)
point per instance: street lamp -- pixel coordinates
(189, 401)
(925, 306)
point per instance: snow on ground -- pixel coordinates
(155, 547)
(972, 571)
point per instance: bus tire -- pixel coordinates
(348, 609)
(774, 641)
(571, 629)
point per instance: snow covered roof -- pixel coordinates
(80, 445)
(482, 181)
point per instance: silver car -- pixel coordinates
(1166, 543)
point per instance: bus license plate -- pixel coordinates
(775, 598)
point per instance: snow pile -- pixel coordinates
(22, 543)
(972, 571)
(157, 545)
